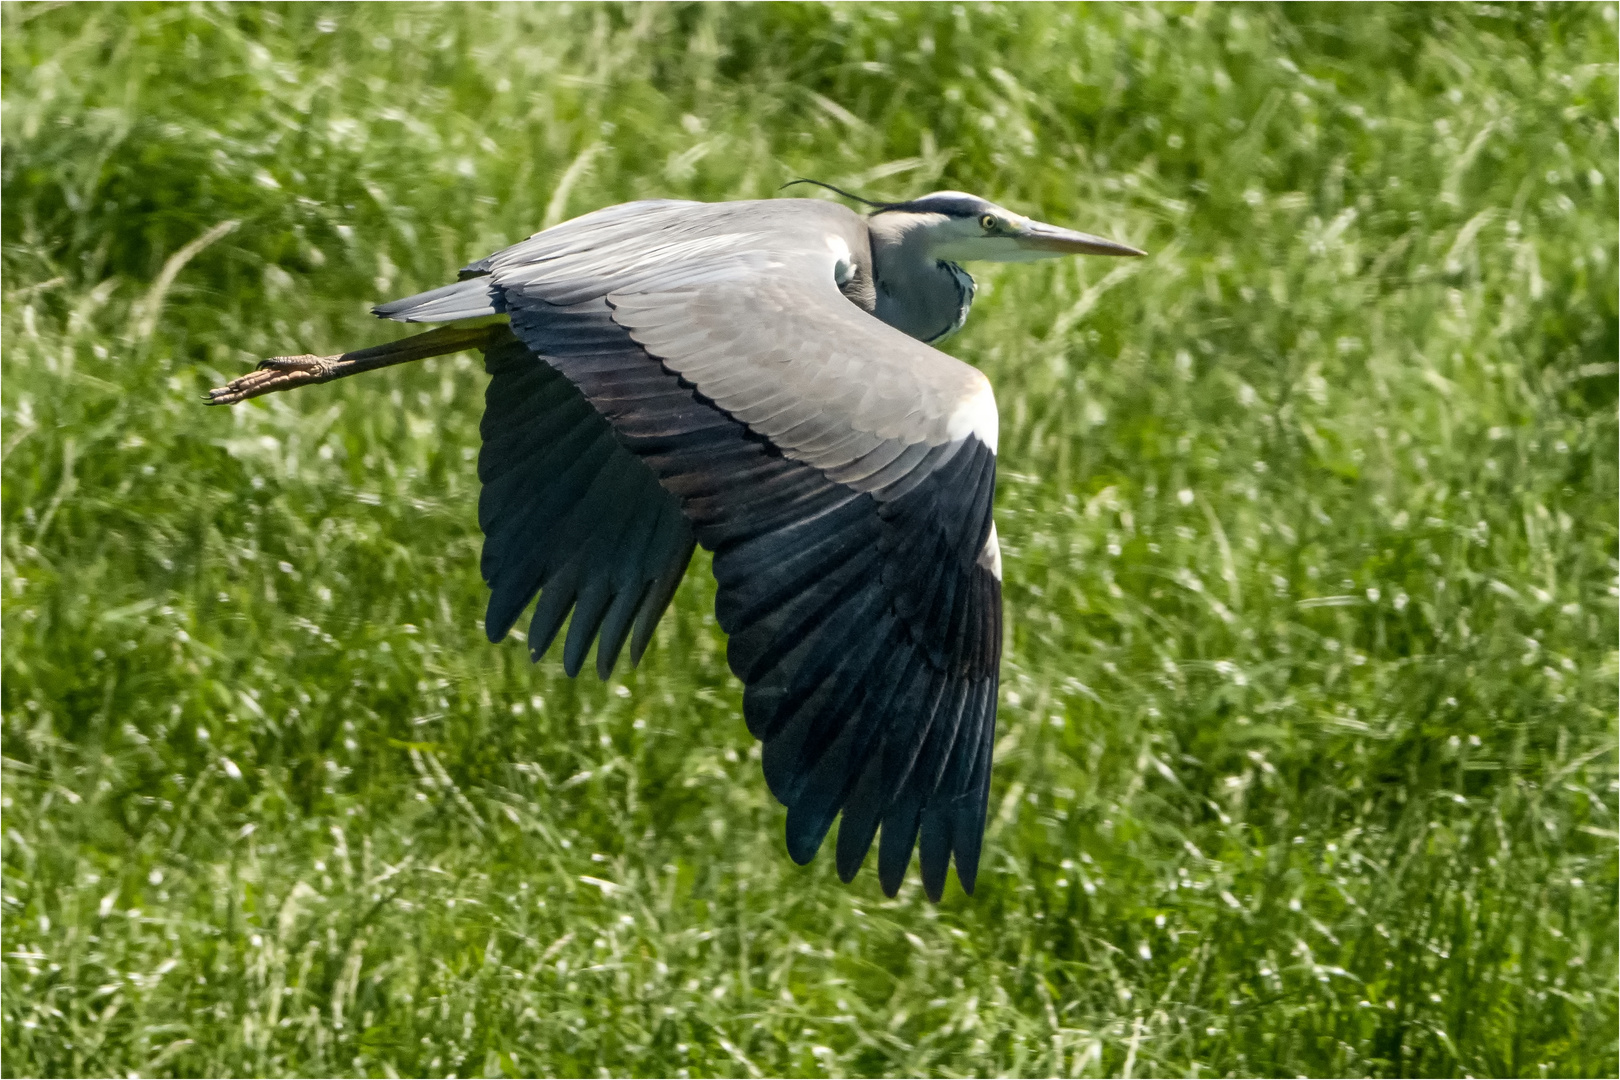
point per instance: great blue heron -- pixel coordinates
(755, 377)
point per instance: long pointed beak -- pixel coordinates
(1038, 236)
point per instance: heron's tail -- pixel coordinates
(470, 299)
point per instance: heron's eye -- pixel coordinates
(988, 222)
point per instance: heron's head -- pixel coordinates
(954, 226)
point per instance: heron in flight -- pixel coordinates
(757, 377)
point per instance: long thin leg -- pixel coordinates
(289, 372)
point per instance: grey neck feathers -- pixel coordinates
(916, 293)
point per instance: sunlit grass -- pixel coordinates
(1307, 743)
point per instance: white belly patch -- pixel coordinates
(990, 554)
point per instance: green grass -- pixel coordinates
(1307, 751)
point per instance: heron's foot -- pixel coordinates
(290, 372)
(276, 373)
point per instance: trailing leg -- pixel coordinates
(289, 372)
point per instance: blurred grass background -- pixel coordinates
(1307, 744)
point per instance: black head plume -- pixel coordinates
(841, 191)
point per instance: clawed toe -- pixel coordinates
(275, 373)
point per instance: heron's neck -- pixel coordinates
(916, 293)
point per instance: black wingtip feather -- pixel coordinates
(968, 834)
(615, 628)
(591, 605)
(492, 626)
(934, 850)
(827, 784)
(971, 810)
(860, 821)
(896, 844)
(555, 601)
(807, 826)
(662, 591)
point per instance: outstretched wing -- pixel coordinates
(571, 514)
(842, 473)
